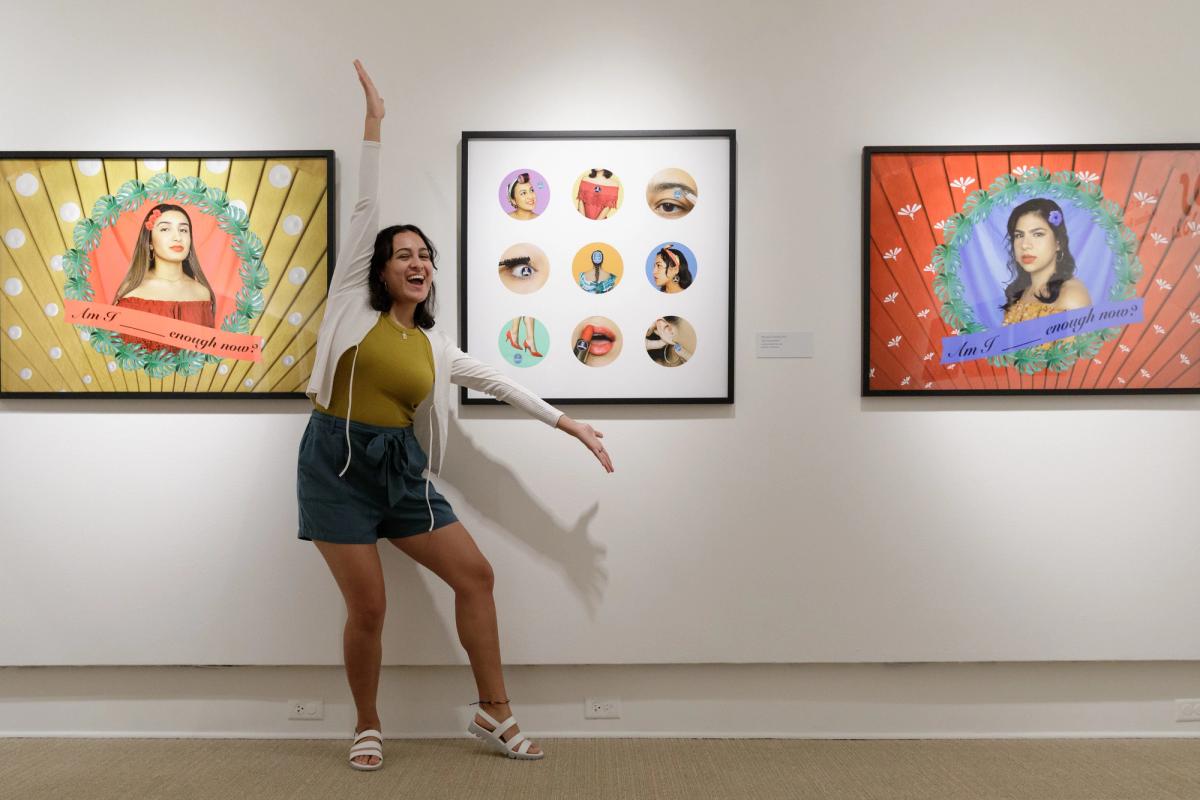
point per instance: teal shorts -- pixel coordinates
(382, 494)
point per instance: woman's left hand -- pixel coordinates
(590, 438)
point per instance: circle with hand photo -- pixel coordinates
(524, 341)
(596, 342)
(524, 268)
(524, 194)
(671, 267)
(670, 341)
(597, 268)
(597, 193)
(672, 193)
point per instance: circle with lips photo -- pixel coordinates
(596, 342)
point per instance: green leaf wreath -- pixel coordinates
(166, 188)
(1009, 190)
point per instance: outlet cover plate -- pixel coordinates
(602, 708)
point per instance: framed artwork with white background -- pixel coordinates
(598, 267)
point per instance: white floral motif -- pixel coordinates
(894, 341)
(940, 226)
(891, 298)
(1187, 362)
(1160, 330)
(929, 268)
(890, 255)
(951, 366)
(907, 380)
(1194, 317)
(1197, 268)
(1021, 171)
(909, 210)
(1145, 198)
(1158, 238)
(1160, 283)
(1097, 362)
(1123, 348)
(962, 183)
(871, 372)
(929, 385)
(927, 357)
(1087, 177)
(1143, 373)
(1194, 228)
(1121, 380)
(923, 313)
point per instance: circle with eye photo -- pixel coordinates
(670, 341)
(597, 193)
(524, 268)
(672, 193)
(524, 341)
(596, 342)
(524, 194)
(671, 267)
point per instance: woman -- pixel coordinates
(671, 273)
(382, 372)
(513, 334)
(1042, 265)
(164, 276)
(670, 341)
(595, 279)
(598, 195)
(522, 197)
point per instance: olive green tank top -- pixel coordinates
(392, 375)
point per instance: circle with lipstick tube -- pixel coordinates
(596, 342)
(597, 268)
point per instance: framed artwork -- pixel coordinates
(1031, 270)
(130, 274)
(598, 267)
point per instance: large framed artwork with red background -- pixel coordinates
(1031, 270)
(176, 274)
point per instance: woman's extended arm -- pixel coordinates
(354, 256)
(474, 374)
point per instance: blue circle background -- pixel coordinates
(984, 270)
(693, 265)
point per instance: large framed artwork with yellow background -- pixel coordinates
(163, 274)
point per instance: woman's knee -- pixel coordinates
(366, 613)
(476, 577)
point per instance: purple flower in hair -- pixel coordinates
(1055, 218)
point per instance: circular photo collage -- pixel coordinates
(597, 193)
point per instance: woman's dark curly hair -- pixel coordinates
(380, 299)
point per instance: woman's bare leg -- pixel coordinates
(359, 575)
(451, 554)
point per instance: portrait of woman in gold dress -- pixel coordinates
(1040, 259)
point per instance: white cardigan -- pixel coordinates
(349, 317)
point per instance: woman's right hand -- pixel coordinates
(375, 110)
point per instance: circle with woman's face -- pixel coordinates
(524, 341)
(596, 342)
(597, 268)
(597, 193)
(671, 193)
(670, 341)
(524, 194)
(671, 267)
(524, 268)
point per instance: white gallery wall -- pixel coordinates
(803, 524)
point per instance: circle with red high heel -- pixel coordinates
(524, 341)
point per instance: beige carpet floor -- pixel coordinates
(581, 769)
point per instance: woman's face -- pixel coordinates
(661, 273)
(171, 237)
(524, 198)
(408, 274)
(1035, 246)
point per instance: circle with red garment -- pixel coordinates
(597, 193)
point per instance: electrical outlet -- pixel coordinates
(1187, 710)
(602, 708)
(306, 709)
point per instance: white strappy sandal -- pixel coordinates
(516, 747)
(367, 748)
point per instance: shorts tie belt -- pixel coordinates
(389, 453)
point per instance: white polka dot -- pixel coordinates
(85, 336)
(26, 374)
(292, 225)
(223, 369)
(26, 184)
(62, 391)
(295, 318)
(56, 353)
(56, 263)
(238, 204)
(87, 380)
(288, 361)
(69, 212)
(297, 275)
(155, 164)
(112, 366)
(14, 238)
(248, 383)
(14, 332)
(90, 166)
(13, 287)
(51, 309)
(217, 165)
(279, 176)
